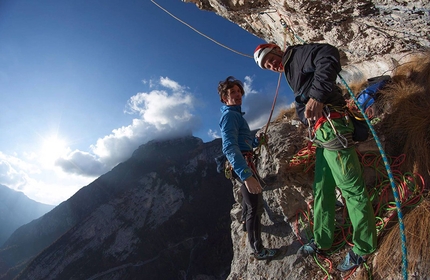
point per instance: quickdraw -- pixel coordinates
(249, 157)
(341, 141)
(263, 141)
(228, 170)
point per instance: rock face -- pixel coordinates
(373, 36)
(162, 214)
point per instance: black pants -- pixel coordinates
(254, 206)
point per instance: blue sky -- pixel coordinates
(83, 83)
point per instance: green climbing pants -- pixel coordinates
(341, 168)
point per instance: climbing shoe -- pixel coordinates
(265, 254)
(352, 260)
(308, 249)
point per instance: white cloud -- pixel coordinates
(247, 86)
(10, 175)
(38, 183)
(81, 163)
(165, 112)
(213, 134)
(166, 82)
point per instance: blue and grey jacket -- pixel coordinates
(236, 138)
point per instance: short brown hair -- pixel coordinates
(224, 86)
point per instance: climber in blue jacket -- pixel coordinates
(237, 145)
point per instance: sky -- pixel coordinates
(84, 83)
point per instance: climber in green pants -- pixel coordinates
(341, 168)
(311, 71)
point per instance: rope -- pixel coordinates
(290, 29)
(391, 177)
(200, 33)
(278, 85)
(274, 103)
(410, 185)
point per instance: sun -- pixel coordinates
(53, 148)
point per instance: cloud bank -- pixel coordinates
(165, 112)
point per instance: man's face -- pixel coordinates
(234, 96)
(273, 61)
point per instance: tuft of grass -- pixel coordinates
(388, 260)
(286, 114)
(406, 104)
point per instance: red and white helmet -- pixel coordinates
(261, 51)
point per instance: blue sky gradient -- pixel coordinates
(84, 83)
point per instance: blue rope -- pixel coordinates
(391, 177)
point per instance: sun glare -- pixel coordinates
(52, 149)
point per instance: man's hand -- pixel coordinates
(253, 185)
(314, 109)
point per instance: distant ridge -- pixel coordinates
(16, 209)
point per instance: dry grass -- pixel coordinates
(406, 104)
(286, 114)
(388, 261)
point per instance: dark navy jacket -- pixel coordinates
(311, 71)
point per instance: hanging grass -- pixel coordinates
(406, 106)
(388, 260)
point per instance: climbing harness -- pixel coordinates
(340, 142)
(249, 157)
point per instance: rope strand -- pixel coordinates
(200, 33)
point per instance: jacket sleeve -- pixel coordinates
(229, 125)
(326, 61)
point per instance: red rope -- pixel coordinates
(411, 188)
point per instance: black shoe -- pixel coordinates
(308, 249)
(265, 254)
(352, 260)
